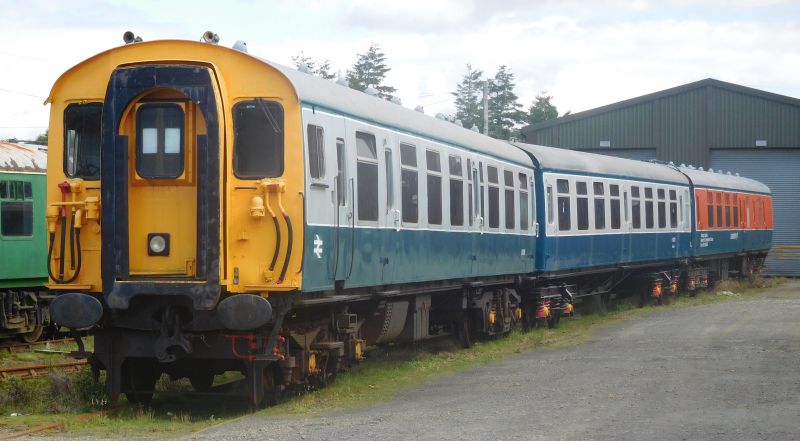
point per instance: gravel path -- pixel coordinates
(727, 371)
(723, 371)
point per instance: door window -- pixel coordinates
(159, 141)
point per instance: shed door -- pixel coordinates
(780, 170)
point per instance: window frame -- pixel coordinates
(235, 154)
(372, 162)
(431, 175)
(320, 151)
(65, 166)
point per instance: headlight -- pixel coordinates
(158, 244)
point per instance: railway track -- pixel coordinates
(28, 372)
(16, 347)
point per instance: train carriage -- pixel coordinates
(603, 212)
(213, 211)
(23, 273)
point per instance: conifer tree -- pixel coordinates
(370, 70)
(469, 98)
(320, 69)
(542, 109)
(505, 113)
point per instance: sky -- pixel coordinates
(584, 54)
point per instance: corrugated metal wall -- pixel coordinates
(683, 126)
(737, 120)
(780, 170)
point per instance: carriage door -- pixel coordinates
(344, 215)
(162, 189)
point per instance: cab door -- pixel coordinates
(162, 189)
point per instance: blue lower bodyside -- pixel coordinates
(731, 241)
(383, 256)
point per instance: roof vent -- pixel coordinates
(474, 128)
(396, 100)
(240, 46)
(420, 109)
(700, 168)
(710, 170)
(441, 116)
(458, 123)
(737, 174)
(683, 165)
(672, 163)
(729, 173)
(341, 80)
(303, 67)
(371, 91)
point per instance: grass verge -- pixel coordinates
(386, 373)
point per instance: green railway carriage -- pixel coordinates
(23, 246)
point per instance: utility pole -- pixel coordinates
(486, 107)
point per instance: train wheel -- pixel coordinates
(33, 336)
(202, 381)
(141, 381)
(465, 334)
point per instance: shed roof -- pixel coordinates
(706, 178)
(551, 158)
(708, 82)
(23, 157)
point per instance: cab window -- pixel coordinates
(82, 123)
(257, 139)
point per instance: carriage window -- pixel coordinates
(367, 176)
(387, 154)
(625, 204)
(636, 212)
(582, 206)
(523, 201)
(719, 210)
(434, 187)
(550, 204)
(16, 218)
(599, 206)
(456, 192)
(508, 179)
(615, 218)
(16, 214)
(648, 208)
(673, 209)
(470, 212)
(564, 221)
(662, 209)
(316, 151)
(409, 183)
(159, 141)
(494, 197)
(728, 216)
(710, 214)
(257, 139)
(736, 216)
(82, 124)
(341, 186)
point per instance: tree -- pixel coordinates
(505, 113)
(542, 109)
(370, 70)
(320, 69)
(469, 98)
(42, 139)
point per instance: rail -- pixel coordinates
(13, 348)
(39, 370)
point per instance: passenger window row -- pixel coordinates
(461, 179)
(651, 206)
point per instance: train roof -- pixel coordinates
(702, 178)
(556, 159)
(22, 157)
(316, 91)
